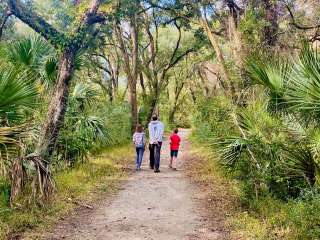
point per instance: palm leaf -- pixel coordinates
(273, 75)
(16, 89)
(304, 87)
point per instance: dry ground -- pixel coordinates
(162, 206)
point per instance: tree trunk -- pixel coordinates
(131, 66)
(235, 40)
(17, 179)
(54, 121)
(222, 63)
(143, 87)
(133, 102)
(110, 89)
(271, 15)
(134, 71)
(152, 108)
(171, 114)
(57, 107)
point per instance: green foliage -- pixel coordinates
(35, 56)
(304, 88)
(251, 26)
(16, 89)
(271, 145)
(86, 130)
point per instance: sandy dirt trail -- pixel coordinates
(152, 206)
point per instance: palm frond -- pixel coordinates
(273, 75)
(298, 162)
(85, 94)
(16, 89)
(304, 87)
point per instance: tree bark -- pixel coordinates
(131, 66)
(134, 71)
(271, 15)
(221, 61)
(57, 107)
(4, 20)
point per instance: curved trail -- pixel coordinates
(150, 206)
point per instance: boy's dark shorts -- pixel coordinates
(174, 153)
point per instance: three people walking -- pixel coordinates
(156, 130)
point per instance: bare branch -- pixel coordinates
(177, 43)
(7, 13)
(294, 22)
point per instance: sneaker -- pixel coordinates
(157, 171)
(170, 166)
(174, 169)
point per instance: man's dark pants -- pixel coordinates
(155, 155)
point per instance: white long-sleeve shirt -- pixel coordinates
(156, 129)
(139, 139)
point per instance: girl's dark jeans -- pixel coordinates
(140, 151)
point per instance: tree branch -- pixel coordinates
(298, 26)
(36, 22)
(177, 43)
(6, 15)
(172, 64)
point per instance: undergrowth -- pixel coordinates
(84, 182)
(272, 168)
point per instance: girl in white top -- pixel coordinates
(139, 140)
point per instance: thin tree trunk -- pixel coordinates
(152, 108)
(222, 63)
(134, 71)
(110, 89)
(143, 87)
(271, 15)
(17, 179)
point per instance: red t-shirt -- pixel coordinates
(174, 142)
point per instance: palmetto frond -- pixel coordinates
(35, 55)
(85, 95)
(272, 74)
(11, 135)
(298, 162)
(304, 87)
(229, 149)
(16, 89)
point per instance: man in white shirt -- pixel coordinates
(156, 129)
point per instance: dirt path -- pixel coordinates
(150, 206)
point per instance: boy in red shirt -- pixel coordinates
(174, 148)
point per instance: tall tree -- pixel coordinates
(70, 47)
(201, 14)
(130, 59)
(156, 65)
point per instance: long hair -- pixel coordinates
(139, 128)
